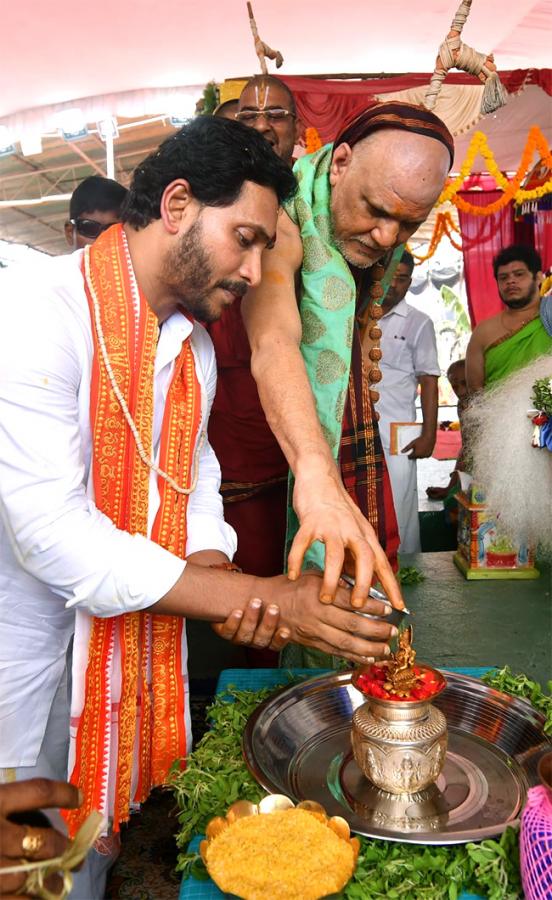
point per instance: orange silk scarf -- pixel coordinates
(150, 726)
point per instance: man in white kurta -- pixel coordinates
(409, 359)
(57, 552)
(183, 254)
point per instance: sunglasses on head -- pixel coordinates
(89, 227)
(273, 115)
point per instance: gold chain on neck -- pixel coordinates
(517, 327)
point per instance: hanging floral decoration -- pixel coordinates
(511, 189)
(313, 141)
(546, 286)
(445, 226)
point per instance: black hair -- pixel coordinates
(456, 365)
(408, 260)
(518, 253)
(96, 193)
(215, 156)
(275, 82)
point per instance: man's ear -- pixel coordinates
(69, 233)
(176, 204)
(341, 160)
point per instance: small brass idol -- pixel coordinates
(400, 668)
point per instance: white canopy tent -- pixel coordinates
(68, 51)
(143, 64)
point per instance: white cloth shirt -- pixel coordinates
(58, 553)
(409, 350)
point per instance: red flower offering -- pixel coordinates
(371, 682)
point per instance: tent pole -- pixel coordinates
(109, 154)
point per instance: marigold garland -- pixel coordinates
(444, 226)
(313, 141)
(512, 190)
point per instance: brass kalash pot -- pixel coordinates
(400, 744)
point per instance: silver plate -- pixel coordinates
(298, 743)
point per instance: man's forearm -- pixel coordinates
(429, 393)
(209, 594)
(475, 365)
(288, 403)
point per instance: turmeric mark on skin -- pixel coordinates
(273, 277)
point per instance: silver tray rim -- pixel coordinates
(340, 679)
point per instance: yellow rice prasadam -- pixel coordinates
(285, 855)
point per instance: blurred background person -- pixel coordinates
(94, 206)
(409, 360)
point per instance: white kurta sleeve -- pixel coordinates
(207, 529)
(425, 357)
(56, 533)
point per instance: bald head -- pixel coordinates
(383, 189)
(258, 86)
(226, 110)
(416, 165)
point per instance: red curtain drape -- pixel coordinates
(482, 238)
(543, 237)
(326, 104)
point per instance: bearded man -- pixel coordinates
(111, 528)
(511, 339)
(357, 200)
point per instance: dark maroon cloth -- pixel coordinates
(245, 446)
(254, 469)
(398, 116)
(260, 523)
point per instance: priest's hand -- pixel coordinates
(254, 626)
(333, 628)
(20, 801)
(326, 513)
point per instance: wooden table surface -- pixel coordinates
(480, 623)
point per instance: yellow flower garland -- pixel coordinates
(512, 190)
(444, 226)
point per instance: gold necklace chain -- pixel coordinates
(517, 327)
(147, 460)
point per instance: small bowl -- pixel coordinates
(275, 803)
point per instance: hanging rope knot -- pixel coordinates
(262, 50)
(454, 54)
